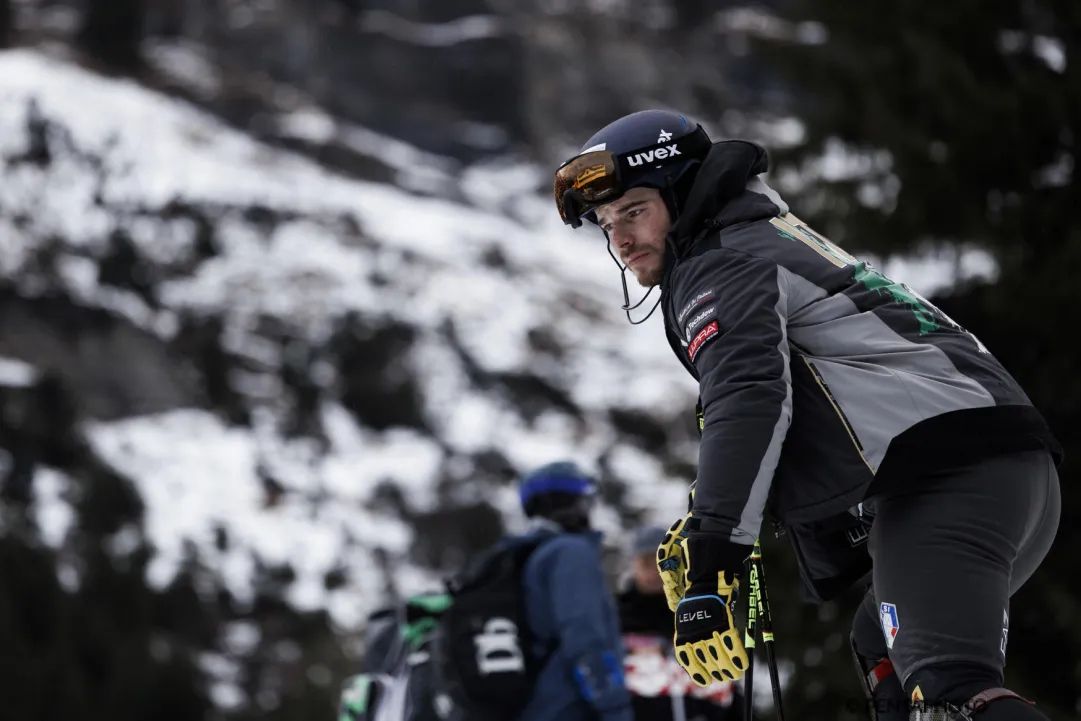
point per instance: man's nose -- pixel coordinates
(621, 238)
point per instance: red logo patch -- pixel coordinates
(705, 334)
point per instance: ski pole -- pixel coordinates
(749, 634)
(758, 583)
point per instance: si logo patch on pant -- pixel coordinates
(887, 612)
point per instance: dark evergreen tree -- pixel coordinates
(6, 23)
(112, 33)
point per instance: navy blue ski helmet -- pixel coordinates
(649, 148)
(561, 492)
(562, 477)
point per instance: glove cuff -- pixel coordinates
(709, 554)
(710, 588)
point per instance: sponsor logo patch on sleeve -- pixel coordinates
(697, 320)
(694, 302)
(707, 333)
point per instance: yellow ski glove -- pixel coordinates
(708, 644)
(670, 561)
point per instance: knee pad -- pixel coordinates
(964, 692)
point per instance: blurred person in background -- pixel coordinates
(660, 690)
(882, 436)
(532, 632)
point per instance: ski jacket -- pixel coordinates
(571, 610)
(821, 379)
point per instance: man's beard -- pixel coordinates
(649, 278)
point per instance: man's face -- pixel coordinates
(647, 579)
(637, 225)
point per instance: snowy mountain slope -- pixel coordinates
(369, 337)
(307, 370)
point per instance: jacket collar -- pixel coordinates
(727, 190)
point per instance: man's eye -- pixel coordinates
(634, 213)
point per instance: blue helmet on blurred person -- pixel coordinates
(560, 492)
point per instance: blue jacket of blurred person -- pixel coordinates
(568, 604)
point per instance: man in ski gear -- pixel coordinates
(571, 613)
(867, 423)
(660, 690)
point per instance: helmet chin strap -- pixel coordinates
(668, 195)
(627, 307)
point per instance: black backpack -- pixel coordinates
(485, 652)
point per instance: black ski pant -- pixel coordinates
(949, 550)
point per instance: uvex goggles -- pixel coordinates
(601, 176)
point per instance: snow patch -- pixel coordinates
(53, 513)
(15, 373)
(459, 30)
(197, 475)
